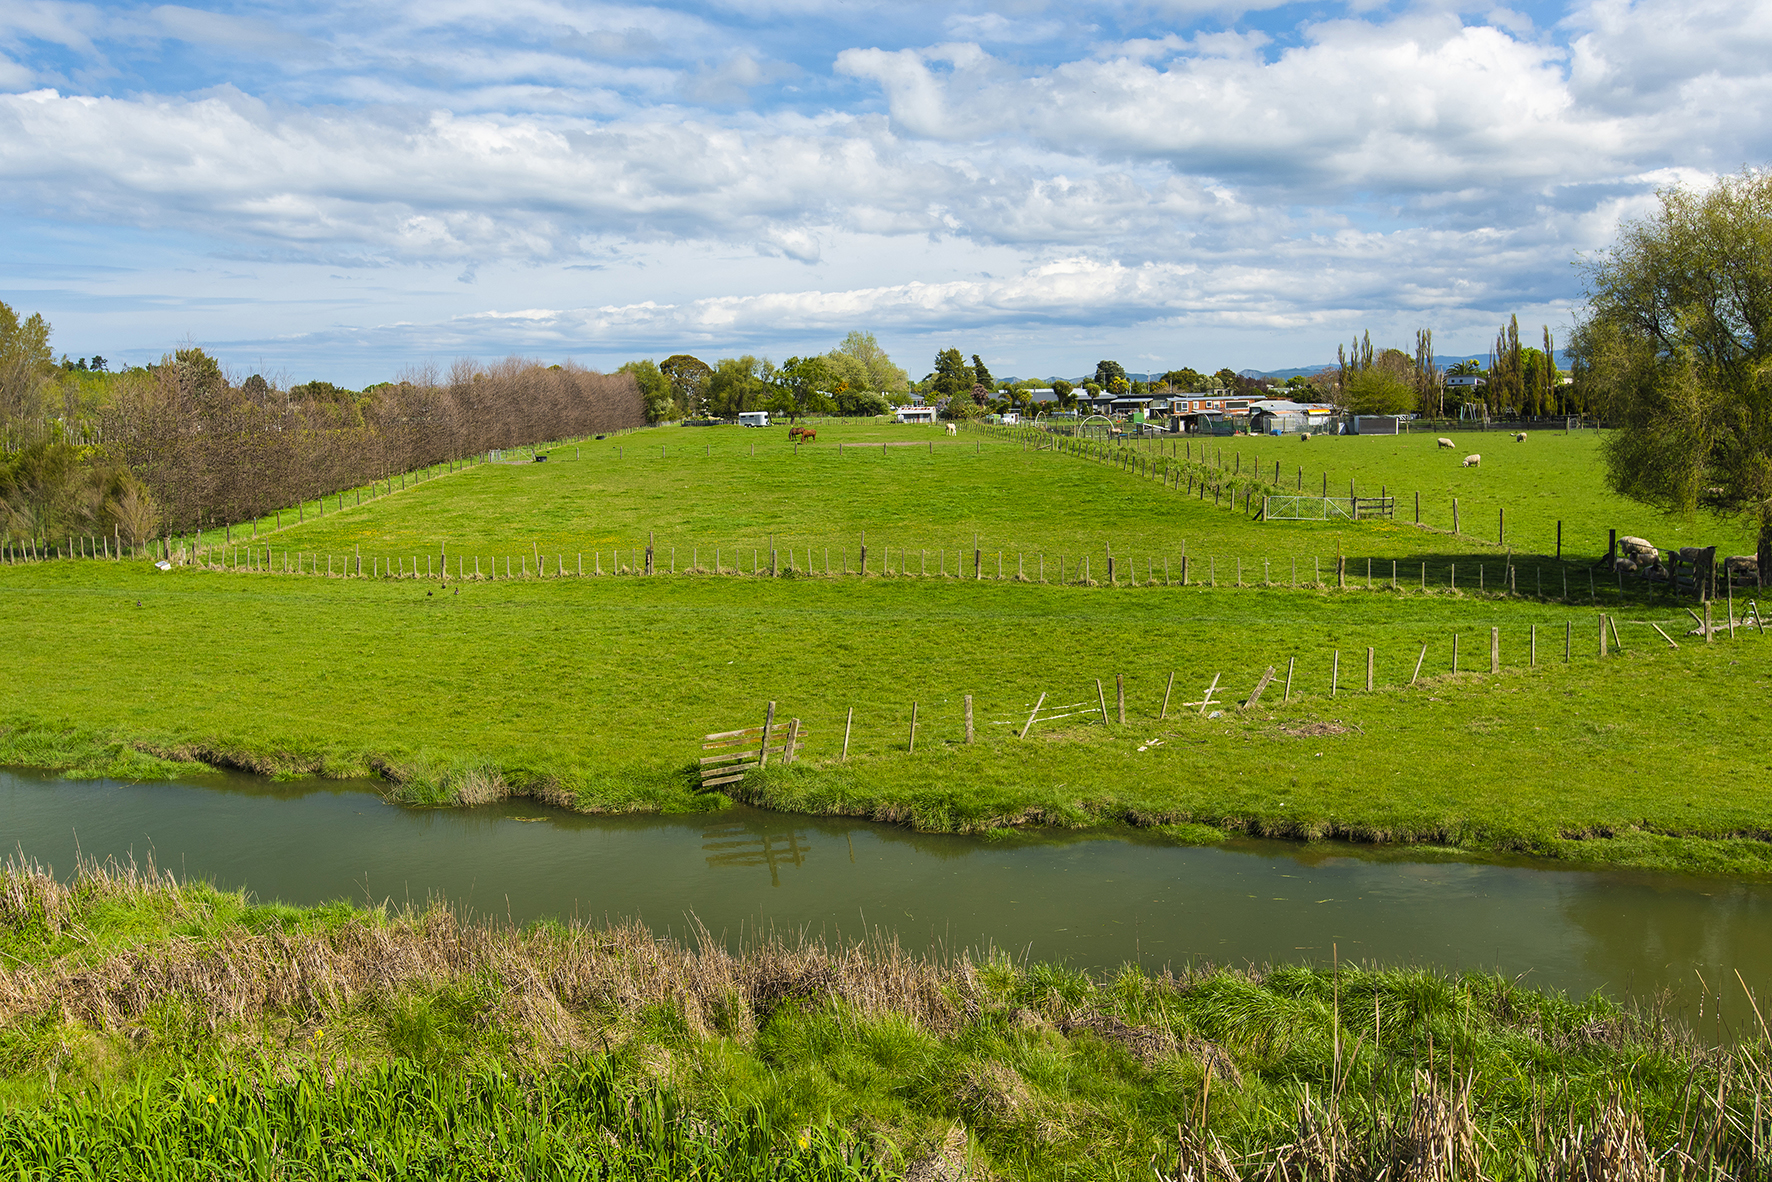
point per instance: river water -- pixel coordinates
(1096, 901)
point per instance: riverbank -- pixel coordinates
(240, 1034)
(593, 695)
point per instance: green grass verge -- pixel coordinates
(155, 1030)
(593, 694)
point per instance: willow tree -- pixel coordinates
(1675, 350)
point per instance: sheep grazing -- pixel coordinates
(1473, 461)
(1446, 443)
(1520, 437)
(1303, 435)
(953, 430)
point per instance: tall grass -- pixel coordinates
(150, 1027)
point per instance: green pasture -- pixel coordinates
(595, 694)
(925, 500)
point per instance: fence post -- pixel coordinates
(1120, 688)
(768, 725)
(1454, 514)
(969, 718)
(847, 723)
(1036, 713)
(1334, 672)
(1101, 696)
(1495, 650)
(1369, 664)
(913, 747)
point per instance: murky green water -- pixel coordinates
(1096, 902)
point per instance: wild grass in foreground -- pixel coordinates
(150, 1028)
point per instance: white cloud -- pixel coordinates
(1115, 168)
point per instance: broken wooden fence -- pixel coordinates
(749, 748)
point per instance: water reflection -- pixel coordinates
(1097, 900)
(735, 845)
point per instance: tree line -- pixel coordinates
(855, 378)
(180, 445)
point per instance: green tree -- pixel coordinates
(655, 388)
(981, 375)
(806, 384)
(952, 378)
(738, 384)
(688, 377)
(1379, 391)
(25, 366)
(882, 376)
(1675, 350)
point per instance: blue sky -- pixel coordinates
(346, 191)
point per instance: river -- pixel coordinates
(1095, 900)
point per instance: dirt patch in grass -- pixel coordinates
(1311, 730)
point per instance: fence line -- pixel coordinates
(1137, 705)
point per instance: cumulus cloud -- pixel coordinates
(1117, 163)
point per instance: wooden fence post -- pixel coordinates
(1369, 664)
(1290, 662)
(847, 723)
(1166, 692)
(913, 746)
(1334, 672)
(1495, 650)
(1101, 696)
(969, 718)
(1418, 660)
(1035, 714)
(1120, 689)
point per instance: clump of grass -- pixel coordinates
(128, 992)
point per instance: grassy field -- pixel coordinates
(158, 1030)
(593, 693)
(695, 489)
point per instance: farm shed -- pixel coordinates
(916, 414)
(1375, 424)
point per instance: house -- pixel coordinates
(916, 414)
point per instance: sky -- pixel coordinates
(353, 191)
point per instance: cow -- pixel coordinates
(1520, 437)
(953, 430)
(1446, 443)
(1473, 461)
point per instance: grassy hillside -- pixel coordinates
(695, 489)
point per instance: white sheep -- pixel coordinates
(1473, 461)
(1446, 443)
(1303, 435)
(1520, 437)
(953, 430)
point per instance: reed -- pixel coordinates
(129, 999)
